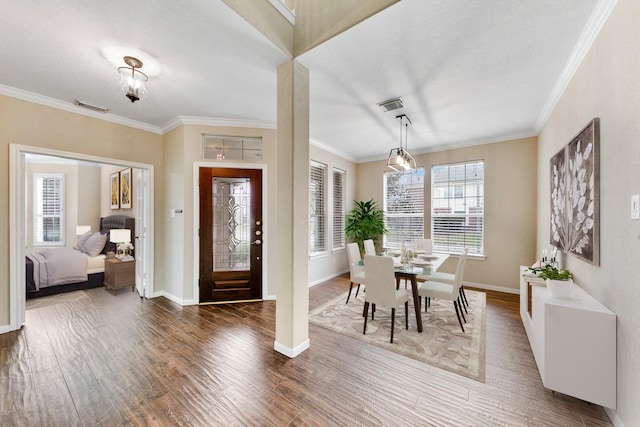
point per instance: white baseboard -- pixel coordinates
(173, 298)
(491, 287)
(5, 328)
(291, 352)
(324, 279)
(613, 416)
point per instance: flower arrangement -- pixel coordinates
(125, 249)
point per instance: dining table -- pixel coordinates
(422, 265)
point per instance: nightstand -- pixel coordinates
(118, 274)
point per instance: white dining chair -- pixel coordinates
(425, 245)
(441, 276)
(381, 289)
(369, 247)
(449, 290)
(356, 271)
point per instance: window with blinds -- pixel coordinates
(338, 208)
(49, 209)
(403, 207)
(317, 203)
(457, 207)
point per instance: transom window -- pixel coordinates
(403, 207)
(457, 207)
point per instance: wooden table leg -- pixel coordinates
(416, 301)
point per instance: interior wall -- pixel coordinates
(183, 148)
(510, 222)
(89, 190)
(607, 85)
(74, 133)
(332, 262)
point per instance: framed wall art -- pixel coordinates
(575, 195)
(125, 189)
(114, 194)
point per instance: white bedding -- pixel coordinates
(59, 266)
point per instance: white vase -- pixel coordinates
(559, 288)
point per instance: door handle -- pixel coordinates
(257, 242)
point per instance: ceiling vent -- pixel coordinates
(391, 104)
(93, 107)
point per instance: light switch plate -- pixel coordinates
(635, 206)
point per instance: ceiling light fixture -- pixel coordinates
(400, 160)
(132, 80)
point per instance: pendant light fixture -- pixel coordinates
(132, 79)
(400, 160)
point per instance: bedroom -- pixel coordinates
(80, 235)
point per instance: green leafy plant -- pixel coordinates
(551, 273)
(365, 221)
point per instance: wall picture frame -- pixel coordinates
(126, 193)
(575, 195)
(114, 193)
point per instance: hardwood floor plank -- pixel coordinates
(112, 360)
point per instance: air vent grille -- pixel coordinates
(93, 107)
(391, 104)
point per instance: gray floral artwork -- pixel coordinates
(575, 195)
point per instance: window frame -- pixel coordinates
(417, 213)
(316, 247)
(464, 214)
(38, 202)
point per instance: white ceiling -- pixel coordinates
(469, 71)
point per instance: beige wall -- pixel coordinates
(183, 148)
(332, 262)
(25, 123)
(510, 223)
(607, 85)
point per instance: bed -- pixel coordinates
(59, 270)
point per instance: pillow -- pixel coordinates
(82, 241)
(94, 244)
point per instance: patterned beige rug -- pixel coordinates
(57, 299)
(442, 343)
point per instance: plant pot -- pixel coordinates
(559, 288)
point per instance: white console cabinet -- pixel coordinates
(573, 341)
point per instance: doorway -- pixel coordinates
(17, 218)
(231, 234)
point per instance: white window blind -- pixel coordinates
(338, 208)
(403, 207)
(457, 207)
(317, 203)
(49, 209)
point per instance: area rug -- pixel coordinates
(442, 343)
(56, 299)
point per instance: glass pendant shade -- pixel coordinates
(400, 159)
(132, 80)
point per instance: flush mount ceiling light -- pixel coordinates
(132, 80)
(400, 159)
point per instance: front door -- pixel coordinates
(230, 235)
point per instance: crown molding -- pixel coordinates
(332, 150)
(72, 108)
(594, 25)
(463, 144)
(211, 121)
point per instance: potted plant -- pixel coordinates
(558, 280)
(365, 221)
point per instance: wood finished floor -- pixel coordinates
(117, 360)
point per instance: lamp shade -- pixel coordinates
(81, 229)
(120, 235)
